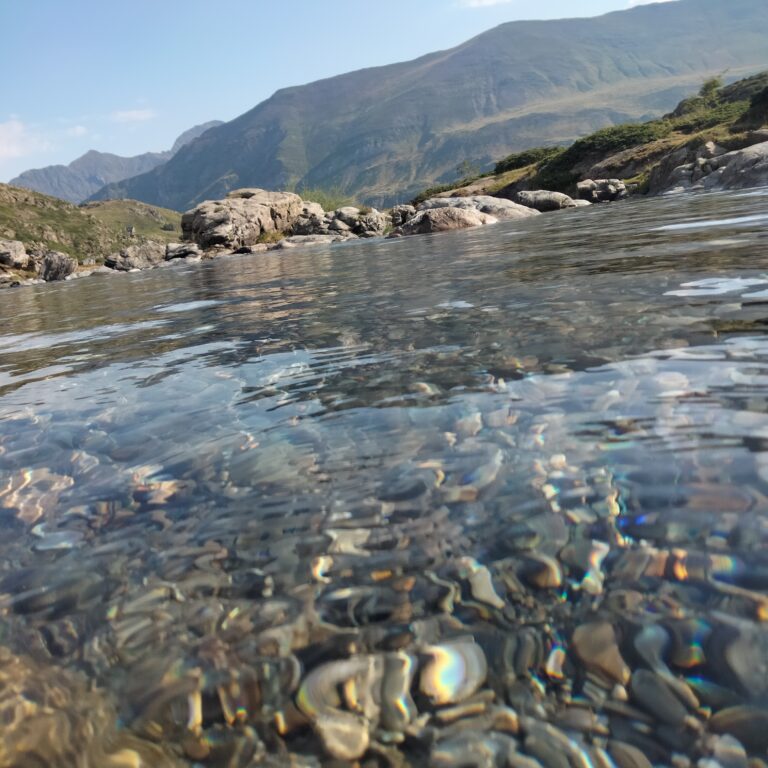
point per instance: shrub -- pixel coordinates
(528, 157)
(330, 199)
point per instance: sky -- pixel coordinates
(129, 77)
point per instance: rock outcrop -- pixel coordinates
(140, 256)
(602, 190)
(242, 218)
(348, 221)
(54, 265)
(712, 168)
(13, 254)
(443, 219)
(497, 207)
(543, 200)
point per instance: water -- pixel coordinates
(420, 501)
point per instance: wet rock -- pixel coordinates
(542, 200)
(141, 256)
(443, 220)
(54, 265)
(181, 251)
(602, 190)
(474, 750)
(747, 724)
(454, 671)
(627, 756)
(497, 207)
(651, 693)
(596, 647)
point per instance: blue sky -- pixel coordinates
(128, 77)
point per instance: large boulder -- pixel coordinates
(13, 254)
(242, 218)
(141, 256)
(602, 190)
(543, 200)
(443, 219)
(497, 207)
(312, 220)
(54, 265)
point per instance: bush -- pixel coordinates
(330, 199)
(528, 157)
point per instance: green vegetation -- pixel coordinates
(89, 232)
(718, 113)
(527, 157)
(330, 199)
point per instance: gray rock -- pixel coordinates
(497, 207)
(602, 190)
(401, 213)
(13, 254)
(338, 225)
(348, 214)
(140, 256)
(296, 240)
(443, 219)
(543, 200)
(371, 224)
(54, 265)
(743, 168)
(242, 218)
(181, 250)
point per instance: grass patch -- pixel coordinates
(527, 158)
(329, 199)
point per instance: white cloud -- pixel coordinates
(17, 140)
(132, 115)
(77, 130)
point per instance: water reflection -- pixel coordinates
(497, 495)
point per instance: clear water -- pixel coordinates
(220, 481)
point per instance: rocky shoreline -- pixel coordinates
(255, 220)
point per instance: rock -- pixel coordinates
(296, 240)
(543, 200)
(338, 225)
(497, 207)
(54, 265)
(443, 220)
(602, 190)
(371, 224)
(746, 723)
(743, 168)
(596, 647)
(181, 250)
(349, 215)
(140, 256)
(13, 254)
(311, 221)
(401, 213)
(242, 218)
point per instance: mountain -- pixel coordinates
(86, 175)
(386, 132)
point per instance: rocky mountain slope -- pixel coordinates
(41, 222)
(90, 172)
(384, 133)
(701, 144)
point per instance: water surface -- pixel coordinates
(415, 500)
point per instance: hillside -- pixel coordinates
(90, 172)
(643, 155)
(384, 133)
(89, 232)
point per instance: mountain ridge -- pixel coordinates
(88, 173)
(384, 132)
